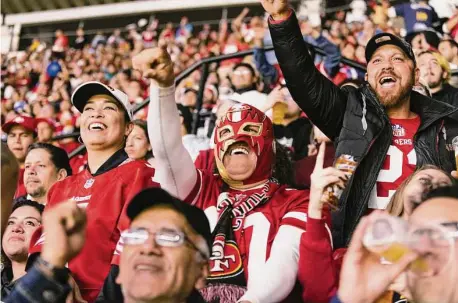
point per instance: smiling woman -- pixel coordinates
(105, 187)
(23, 221)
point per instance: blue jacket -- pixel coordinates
(36, 287)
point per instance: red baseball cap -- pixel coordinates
(48, 121)
(26, 122)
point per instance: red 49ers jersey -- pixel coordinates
(256, 232)
(105, 198)
(400, 162)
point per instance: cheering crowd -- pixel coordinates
(296, 178)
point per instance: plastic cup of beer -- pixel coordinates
(387, 237)
(333, 192)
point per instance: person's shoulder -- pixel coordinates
(209, 176)
(131, 167)
(349, 87)
(288, 194)
(253, 93)
(303, 122)
(289, 203)
(71, 179)
(209, 182)
(452, 89)
(452, 119)
(130, 164)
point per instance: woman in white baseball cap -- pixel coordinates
(106, 116)
(107, 184)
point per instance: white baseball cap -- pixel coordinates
(86, 90)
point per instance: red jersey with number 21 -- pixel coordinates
(400, 162)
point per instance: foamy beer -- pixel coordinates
(332, 193)
(278, 112)
(455, 148)
(386, 236)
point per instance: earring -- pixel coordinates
(80, 140)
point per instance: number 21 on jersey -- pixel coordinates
(390, 178)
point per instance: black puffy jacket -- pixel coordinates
(358, 124)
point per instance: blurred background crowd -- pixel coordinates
(39, 80)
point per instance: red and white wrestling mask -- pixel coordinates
(241, 132)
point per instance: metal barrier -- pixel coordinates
(204, 66)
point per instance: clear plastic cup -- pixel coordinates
(391, 238)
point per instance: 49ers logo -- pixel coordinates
(225, 261)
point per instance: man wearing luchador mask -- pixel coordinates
(257, 222)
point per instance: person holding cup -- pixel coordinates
(433, 235)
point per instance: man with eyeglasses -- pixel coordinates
(164, 259)
(432, 238)
(166, 250)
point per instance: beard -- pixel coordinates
(396, 98)
(435, 84)
(37, 192)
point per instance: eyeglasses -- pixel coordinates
(437, 236)
(434, 244)
(163, 237)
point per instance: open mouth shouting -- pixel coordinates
(238, 148)
(387, 81)
(239, 160)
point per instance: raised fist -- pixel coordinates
(65, 228)
(278, 9)
(155, 64)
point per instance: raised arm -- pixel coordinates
(322, 101)
(175, 169)
(450, 24)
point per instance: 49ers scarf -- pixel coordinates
(228, 283)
